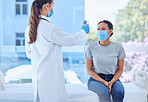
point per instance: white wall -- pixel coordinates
(97, 10)
(1, 23)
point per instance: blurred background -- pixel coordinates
(129, 17)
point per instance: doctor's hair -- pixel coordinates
(110, 25)
(35, 18)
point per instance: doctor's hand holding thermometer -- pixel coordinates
(43, 41)
(85, 26)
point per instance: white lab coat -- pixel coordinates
(47, 61)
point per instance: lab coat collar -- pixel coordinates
(47, 18)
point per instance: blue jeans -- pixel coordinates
(101, 90)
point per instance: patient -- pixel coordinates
(104, 63)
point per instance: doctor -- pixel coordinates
(43, 41)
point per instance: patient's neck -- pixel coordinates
(105, 43)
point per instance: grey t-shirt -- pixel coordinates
(105, 58)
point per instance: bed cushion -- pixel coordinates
(2, 81)
(76, 93)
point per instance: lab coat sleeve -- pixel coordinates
(27, 46)
(58, 36)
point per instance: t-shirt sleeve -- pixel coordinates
(88, 54)
(121, 54)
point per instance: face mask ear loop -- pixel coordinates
(111, 33)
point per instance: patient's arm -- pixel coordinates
(119, 70)
(117, 74)
(89, 64)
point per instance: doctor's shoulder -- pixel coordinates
(56, 28)
(46, 24)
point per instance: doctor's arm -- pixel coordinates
(27, 46)
(58, 36)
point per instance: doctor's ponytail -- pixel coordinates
(35, 18)
(33, 22)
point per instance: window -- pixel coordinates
(18, 42)
(17, 9)
(21, 7)
(125, 21)
(24, 9)
(20, 39)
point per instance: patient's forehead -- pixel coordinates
(102, 25)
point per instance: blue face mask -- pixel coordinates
(102, 35)
(50, 13)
